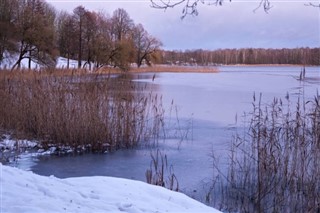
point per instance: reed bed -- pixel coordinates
(79, 110)
(177, 68)
(154, 68)
(162, 68)
(274, 165)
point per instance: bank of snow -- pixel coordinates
(10, 59)
(24, 191)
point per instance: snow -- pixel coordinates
(24, 191)
(10, 59)
(62, 63)
(7, 143)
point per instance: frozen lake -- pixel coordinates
(205, 105)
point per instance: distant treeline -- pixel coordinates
(304, 56)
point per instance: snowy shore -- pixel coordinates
(24, 191)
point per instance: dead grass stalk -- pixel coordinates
(87, 112)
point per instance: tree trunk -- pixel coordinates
(80, 44)
(29, 62)
(18, 63)
(68, 60)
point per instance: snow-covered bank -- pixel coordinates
(23, 191)
(12, 150)
(6, 142)
(10, 60)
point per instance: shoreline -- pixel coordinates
(154, 69)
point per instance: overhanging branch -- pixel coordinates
(313, 4)
(190, 7)
(265, 4)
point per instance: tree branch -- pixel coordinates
(265, 4)
(312, 5)
(164, 5)
(190, 6)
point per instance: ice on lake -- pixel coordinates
(206, 106)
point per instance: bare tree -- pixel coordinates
(145, 45)
(121, 23)
(90, 34)
(66, 29)
(104, 47)
(79, 14)
(34, 25)
(122, 26)
(7, 32)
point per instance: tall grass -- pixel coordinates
(274, 166)
(160, 173)
(86, 112)
(177, 69)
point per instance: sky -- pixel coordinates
(289, 24)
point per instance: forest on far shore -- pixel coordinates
(300, 56)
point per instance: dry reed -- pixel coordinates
(275, 165)
(160, 173)
(163, 68)
(79, 110)
(175, 68)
